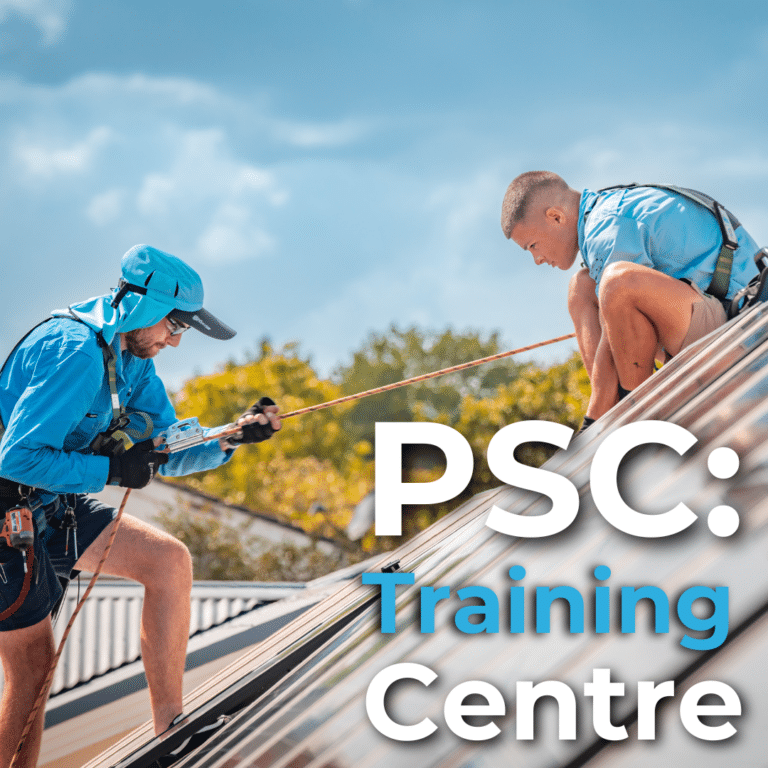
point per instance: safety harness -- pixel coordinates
(727, 222)
(18, 533)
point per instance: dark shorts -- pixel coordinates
(56, 552)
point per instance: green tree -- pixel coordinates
(386, 358)
(220, 550)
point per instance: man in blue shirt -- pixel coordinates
(650, 256)
(67, 391)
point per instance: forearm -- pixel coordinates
(585, 314)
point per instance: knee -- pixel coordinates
(179, 564)
(29, 662)
(171, 568)
(618, 285)
(581, 294)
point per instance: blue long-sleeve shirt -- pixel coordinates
(55, 399)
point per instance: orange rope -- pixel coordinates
(41, 696)
(234, 429)
(423, 377)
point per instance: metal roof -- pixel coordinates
(82, 721)
(298, 698)
(106, 634)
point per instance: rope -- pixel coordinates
(234, 429)
(30, 555)
(41, 696)
(423, 377)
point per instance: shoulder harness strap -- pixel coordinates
(727, 222)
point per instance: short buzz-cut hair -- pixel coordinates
(520, 194)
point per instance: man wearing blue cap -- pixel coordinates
(69, 391)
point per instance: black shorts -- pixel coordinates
(56, 552)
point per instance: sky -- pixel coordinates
(331, 167)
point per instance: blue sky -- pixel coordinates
(332, 166)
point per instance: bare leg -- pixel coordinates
(26, 657)
(163, 565)
(643, 309)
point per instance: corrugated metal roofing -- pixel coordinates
(298, 699)
(82, 721)
(106, 634)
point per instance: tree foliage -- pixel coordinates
(224, 551)
(312, 461)
(390, 357)
(220, 549)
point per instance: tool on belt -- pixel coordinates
(18, 533)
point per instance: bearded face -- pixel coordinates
(143, 343)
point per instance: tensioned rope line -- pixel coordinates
(233, 430)
(425, 376)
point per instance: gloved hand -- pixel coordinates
(253, 431)
(137, 466)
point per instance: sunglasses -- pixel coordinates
(175, 327)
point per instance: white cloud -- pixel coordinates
(142, 98)
(173, 91)
(175, 171)
(232, 236)
(106, 207)
(462, 206)
(156, 194)
(320, 135)
(46, 158)
(49, 16)
(202, 166)
(142, 171)
(227, 196)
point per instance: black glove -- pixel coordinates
(255, 432)
(137, 466)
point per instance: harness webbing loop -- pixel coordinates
(17, 603)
